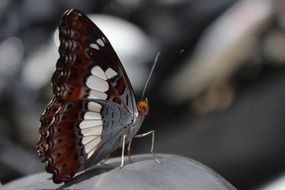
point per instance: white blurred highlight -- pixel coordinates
(221, 49)
(39, 66)
(132, 46)
(278, 184)
(11, 52)
(4, 4)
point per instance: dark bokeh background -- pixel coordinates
(217, 94)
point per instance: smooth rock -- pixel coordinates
(174, 173)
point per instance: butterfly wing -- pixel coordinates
(93, 99)
(86, 53)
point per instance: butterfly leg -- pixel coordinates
(129, 150)
(152, 132)
(123, 152)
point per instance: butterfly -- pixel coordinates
(94, 110)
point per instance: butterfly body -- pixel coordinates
(93, 107)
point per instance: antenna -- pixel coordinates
(150, 74)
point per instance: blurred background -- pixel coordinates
(216, 96)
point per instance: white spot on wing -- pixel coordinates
(100, 42)
(93, 106)
(72, 45)
(72, 33)
(97, 71)
(96, 131)
(90, 123)
(70, 58)
(92, 115)
(85, 140)
(69, 11)
(111, 73)
(91, 153)
(91, 146)
(47, 134)
(93, 94)
(94, 46)
(96, 83)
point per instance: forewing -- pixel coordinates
(88, 65)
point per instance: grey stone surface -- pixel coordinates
(142, 173)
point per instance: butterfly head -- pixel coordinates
(142, 106)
